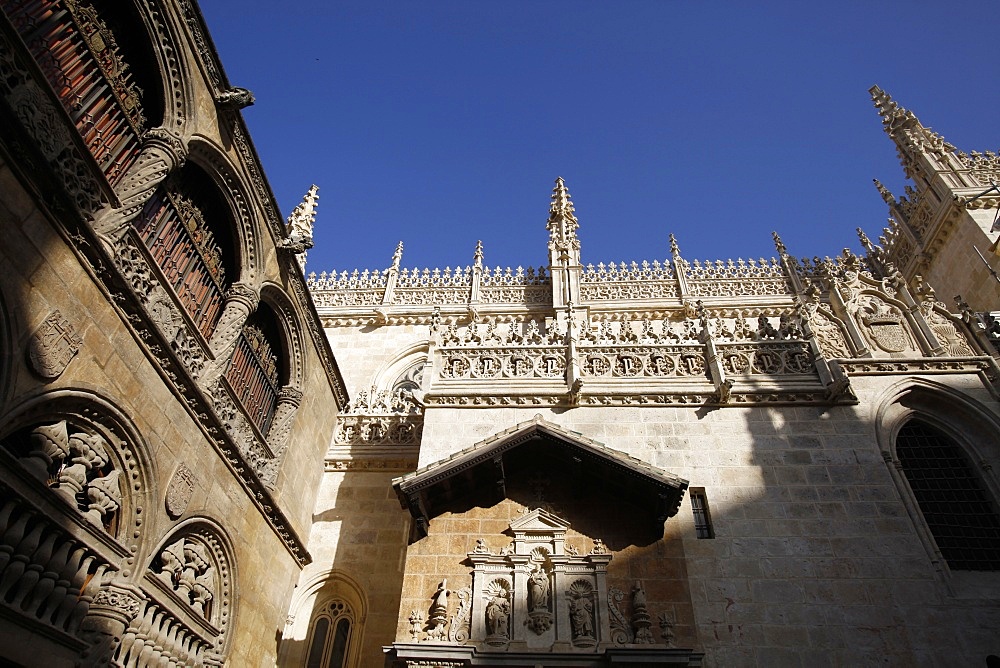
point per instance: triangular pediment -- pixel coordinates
(539, 520)
(483, 468)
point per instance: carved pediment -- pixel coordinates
(538, 521)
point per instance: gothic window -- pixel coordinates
(255, 370)
(184, 227)
(330, 636)
(952, 497)
(93, 73)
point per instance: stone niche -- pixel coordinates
(538, 547)
(535, 594)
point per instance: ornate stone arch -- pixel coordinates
(404, 371)
(190, 582)
(178, 95)
(971, 426)
(211, 157)
(291, 331)
(83, 446)
(311, 599)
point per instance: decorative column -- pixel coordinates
(114, 607)
(289, 400)
(241, 301)
(162, 153)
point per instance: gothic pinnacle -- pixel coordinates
(477, 256)
(303, 217)
(562, 223)
(885, 193)
(397, 256)
(675, 250)
(779, 244)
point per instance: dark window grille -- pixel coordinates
(78, 55)
(952, 497)
(702, 518)
(253, 375)
(177, 237)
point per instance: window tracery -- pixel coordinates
(330, 635)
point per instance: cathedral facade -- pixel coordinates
(209, 458)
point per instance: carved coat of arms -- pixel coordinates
(53, 346)
(885, 327)
(179, 491)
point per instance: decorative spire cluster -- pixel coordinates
(562, 223)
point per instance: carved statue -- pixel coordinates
(497, 616)
(581, 616)
(538, 590)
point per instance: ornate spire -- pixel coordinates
(477, 257)
(397, 256)
(562, 223)
(884, 192)
(904, 128)
(779, 244)
(303, 218)
(675, 250)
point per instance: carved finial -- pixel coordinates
(562, 223)
(778, 244)
(477, 257)
(865, 241)
(397, 256)
(675, 250)
(884, 192)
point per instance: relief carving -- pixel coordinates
(179, 491)
(53, 346)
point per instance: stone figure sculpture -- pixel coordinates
(581, 617)
(497, 616)
(538, 591)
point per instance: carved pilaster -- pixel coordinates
(162, 153)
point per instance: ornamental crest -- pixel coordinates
(53, 346)
(885, 327)
(179, 491)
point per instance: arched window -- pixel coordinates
(94, 74)
(187, 230)
(954, 501)
(256, 370)
(330, 636)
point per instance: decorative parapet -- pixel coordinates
(983, 167)
(620, 282)
(737, 279)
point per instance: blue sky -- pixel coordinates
(442, 123)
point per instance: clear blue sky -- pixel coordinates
(441, 123)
